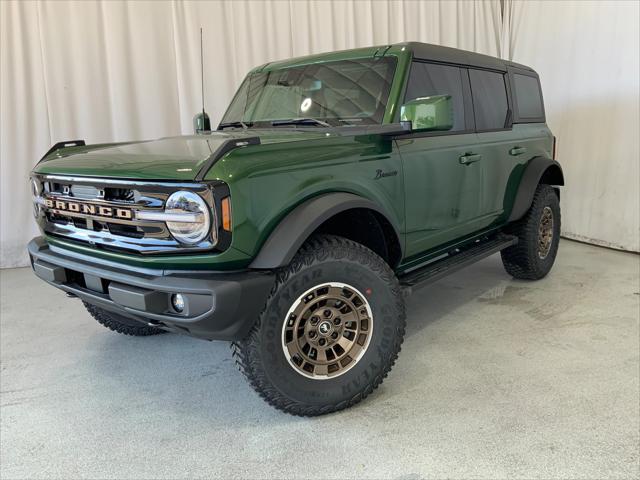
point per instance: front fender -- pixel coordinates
(287, 238)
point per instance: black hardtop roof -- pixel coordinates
(438, 53)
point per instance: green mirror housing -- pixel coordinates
(429, 113)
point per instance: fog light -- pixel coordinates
(177, 302)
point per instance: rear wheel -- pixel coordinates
(119, 323)
(538, 235)
(330, 331)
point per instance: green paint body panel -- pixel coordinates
(462, 199)
(433, 200)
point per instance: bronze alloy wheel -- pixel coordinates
(314, 349)
(545, 232)
(327, 330)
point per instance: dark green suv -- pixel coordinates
(334, 185)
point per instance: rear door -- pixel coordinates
(505, 147)
(530, 135)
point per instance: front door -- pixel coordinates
(443, 171)
(443, 189)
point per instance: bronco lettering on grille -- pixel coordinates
(88, 209)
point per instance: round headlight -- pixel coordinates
(189, 217)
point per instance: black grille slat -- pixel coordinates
(130, 231)
(124, 195)
(80, 223)
(55, 218)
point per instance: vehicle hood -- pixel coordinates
(172, 158)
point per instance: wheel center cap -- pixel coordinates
(324, 328)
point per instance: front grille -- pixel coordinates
(91, 200)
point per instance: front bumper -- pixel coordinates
(218, 306)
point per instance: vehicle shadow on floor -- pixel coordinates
(174, 375)
(432, 302)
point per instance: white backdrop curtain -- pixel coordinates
(587, 56)
(115, 71)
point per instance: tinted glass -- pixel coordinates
(428, 79)
(489, 99)
(340, 93)
(528, 96)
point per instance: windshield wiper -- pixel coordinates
(239, 123)
(300, 121)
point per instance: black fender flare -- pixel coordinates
(294, 229)
(539, 168)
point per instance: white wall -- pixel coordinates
(587, 56)
(114, 71)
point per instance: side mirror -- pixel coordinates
(429, 113)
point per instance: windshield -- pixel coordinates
(338, 93)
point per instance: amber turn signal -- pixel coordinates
(226, 214)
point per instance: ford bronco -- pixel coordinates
(334, 185)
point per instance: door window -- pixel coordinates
(528, 97)
(428, 79)
(489, 99)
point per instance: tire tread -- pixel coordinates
(520, 260)
(110, 321)
(316, 250)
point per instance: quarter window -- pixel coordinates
(427, 79)
(528, 97)
(489, 99)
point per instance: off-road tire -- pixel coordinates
(260, 355)
(523, 260)
(121, 324)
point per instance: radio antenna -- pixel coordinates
(202, 68)
(201, 121)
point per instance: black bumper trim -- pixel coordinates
(219, 305)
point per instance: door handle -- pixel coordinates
(469, 158)
(517, 151)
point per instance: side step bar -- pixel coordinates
(454, 261)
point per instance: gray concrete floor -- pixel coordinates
(497, 379)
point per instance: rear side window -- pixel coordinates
(528, 97)
(427, 79)
(489, 99)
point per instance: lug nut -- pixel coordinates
(322, 341)
(327, 313)
(314, 320)
(334, 335)
(336, 321)
(312, 334)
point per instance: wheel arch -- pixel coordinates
(539, 170)
(325, 214)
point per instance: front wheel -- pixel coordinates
(330, 331)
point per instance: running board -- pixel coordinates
(454, 261)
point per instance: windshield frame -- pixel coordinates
(386, 103)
